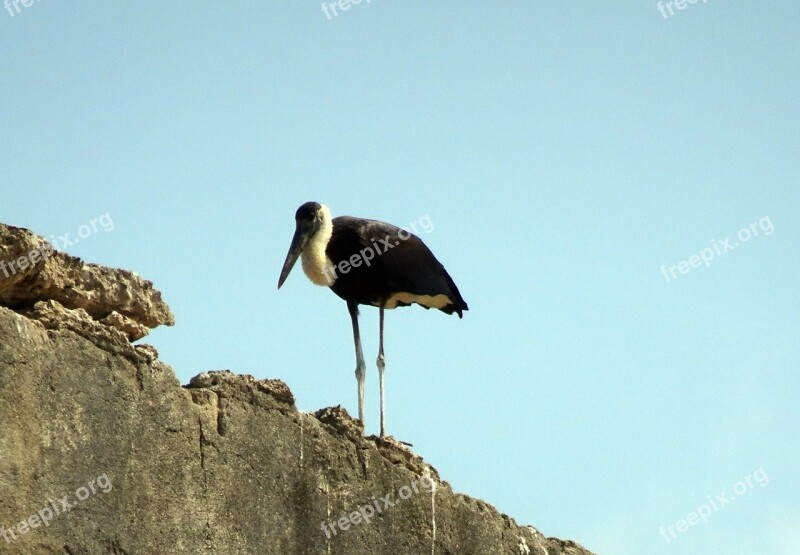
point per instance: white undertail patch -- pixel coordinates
(437, 301)
(316, 264)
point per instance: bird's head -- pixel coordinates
(309, 219)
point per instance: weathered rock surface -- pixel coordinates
(224, 465)
(31, 271)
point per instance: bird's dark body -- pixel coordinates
(400, 263)
(373, 263)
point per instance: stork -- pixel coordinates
(371, 263)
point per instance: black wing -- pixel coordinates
(386, 260)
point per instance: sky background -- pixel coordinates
(564, 152)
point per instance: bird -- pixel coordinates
(369, 262)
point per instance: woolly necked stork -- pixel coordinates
(372, 263)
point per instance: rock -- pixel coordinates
(245, 385)
(31, 271)
(340, 420)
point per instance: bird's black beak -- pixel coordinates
(299, 241)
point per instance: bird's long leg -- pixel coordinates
(381, 365)
(352, 308)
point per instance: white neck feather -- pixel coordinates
(316, 264)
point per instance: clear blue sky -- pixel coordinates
(564, 152)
